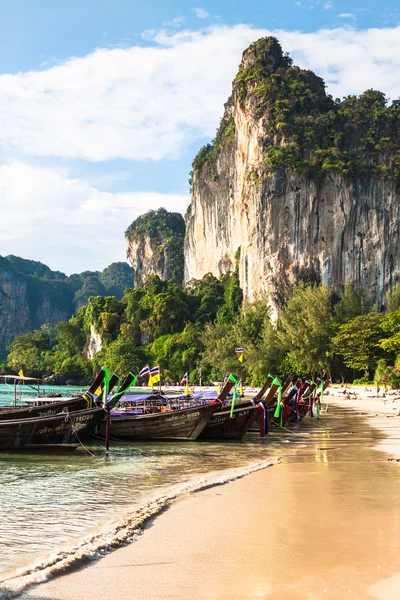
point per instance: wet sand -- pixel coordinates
(323, 523)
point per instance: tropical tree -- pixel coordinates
(358, 342)
(353, 302)
(393, 299)
(305, 329)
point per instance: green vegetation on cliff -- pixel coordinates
(166, 233)
(304, 128)
(184, 328)
(64, 293)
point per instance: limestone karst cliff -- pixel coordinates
(31, 294)
(155, 246)
(26, 304)
(297, 185)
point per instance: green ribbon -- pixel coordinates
(119, 394)
(106, 384)
(233, 400)
(278, 414)
(232, 378)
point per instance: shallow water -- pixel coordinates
(48, 500)
(323, 523)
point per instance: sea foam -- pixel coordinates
(124, 530)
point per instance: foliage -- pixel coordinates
(358, 342)
(116, 278)
(233, 297)
(29, 352)
(390, 325)
(225, 136)
(393, 299)
(201, 325)
(121, 356)
(353, 302)
(305, 329)
(62, 293)
(382, 373)
(304, 128)
(166, 232)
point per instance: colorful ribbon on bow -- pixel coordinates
(278, 414)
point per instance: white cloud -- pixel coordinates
(328, 5)
(66, 223)
(201, 13)
(347, 16)
(176, 21)
(143, 103)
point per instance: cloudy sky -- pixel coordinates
(104, 103)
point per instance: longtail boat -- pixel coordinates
(43, 406)
(228, 424)
(154, 417)
(64, 431)
(182, 424)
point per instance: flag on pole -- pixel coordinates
(185, 380)
(239, 354)
(145, 371)
(154, 376)
(21, 373)
(240, 386)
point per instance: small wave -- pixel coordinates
(127, 529)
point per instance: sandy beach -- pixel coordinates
(322, 523)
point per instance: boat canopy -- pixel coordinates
(18, 378)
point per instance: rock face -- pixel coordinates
(31, 294)
(20, 310)
(285, 210)
(155, 246)
(93, 345)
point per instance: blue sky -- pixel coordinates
(104, 104)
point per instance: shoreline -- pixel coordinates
(120, 532)
(225, 531)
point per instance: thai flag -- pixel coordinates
(184, 378)
(239, 351)
(155, 371)
(145, 371)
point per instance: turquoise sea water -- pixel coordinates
(48, 500)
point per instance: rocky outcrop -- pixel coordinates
(155, 246)
(23, 307)
(264, 201)
(93, 345)
(31, 294)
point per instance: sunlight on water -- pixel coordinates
(48, 500)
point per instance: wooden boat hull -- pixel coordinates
(222, 427)
(44, 410)
(64, 431)
(184, 424)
